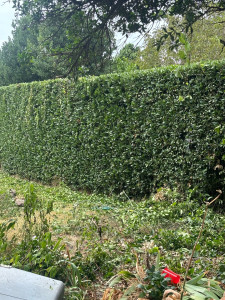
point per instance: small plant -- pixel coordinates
(74, 291)
(36, 251)
(221, 273)
(4, 228)
(202, 288)
(154, 285)
(36, 214)
(99, 261)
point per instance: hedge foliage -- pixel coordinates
(131, 131)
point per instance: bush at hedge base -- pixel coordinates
(129, 132)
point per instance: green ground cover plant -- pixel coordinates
(132, 132)
(91, 237)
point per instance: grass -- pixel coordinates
(104, 235)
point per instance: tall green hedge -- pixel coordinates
(131, 131)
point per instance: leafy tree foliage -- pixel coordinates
(122, 15)
(55, 48)
(129, 51)
(125, 60)
(44, 51)
(200, 45)
(15, 60)
(134, 15)
(206, 39)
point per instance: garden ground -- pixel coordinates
(104, 235)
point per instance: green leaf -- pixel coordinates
(187, 47)
(217, 129)
(181, 98)
(57, 245)
(182, 54)
(182, 38)
(130, 290)
(114, 280)
(127, 274)
(193, 293)
(195, 279)
(192, 287)
(210, 294)
(11, 224)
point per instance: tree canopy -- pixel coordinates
(103, 16)
(201, 45)
(45, 50)
(15, 59)
(125, 15)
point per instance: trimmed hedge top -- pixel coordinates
(131, 131)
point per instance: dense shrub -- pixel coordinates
(131, 131)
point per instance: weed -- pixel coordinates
(154, 285)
